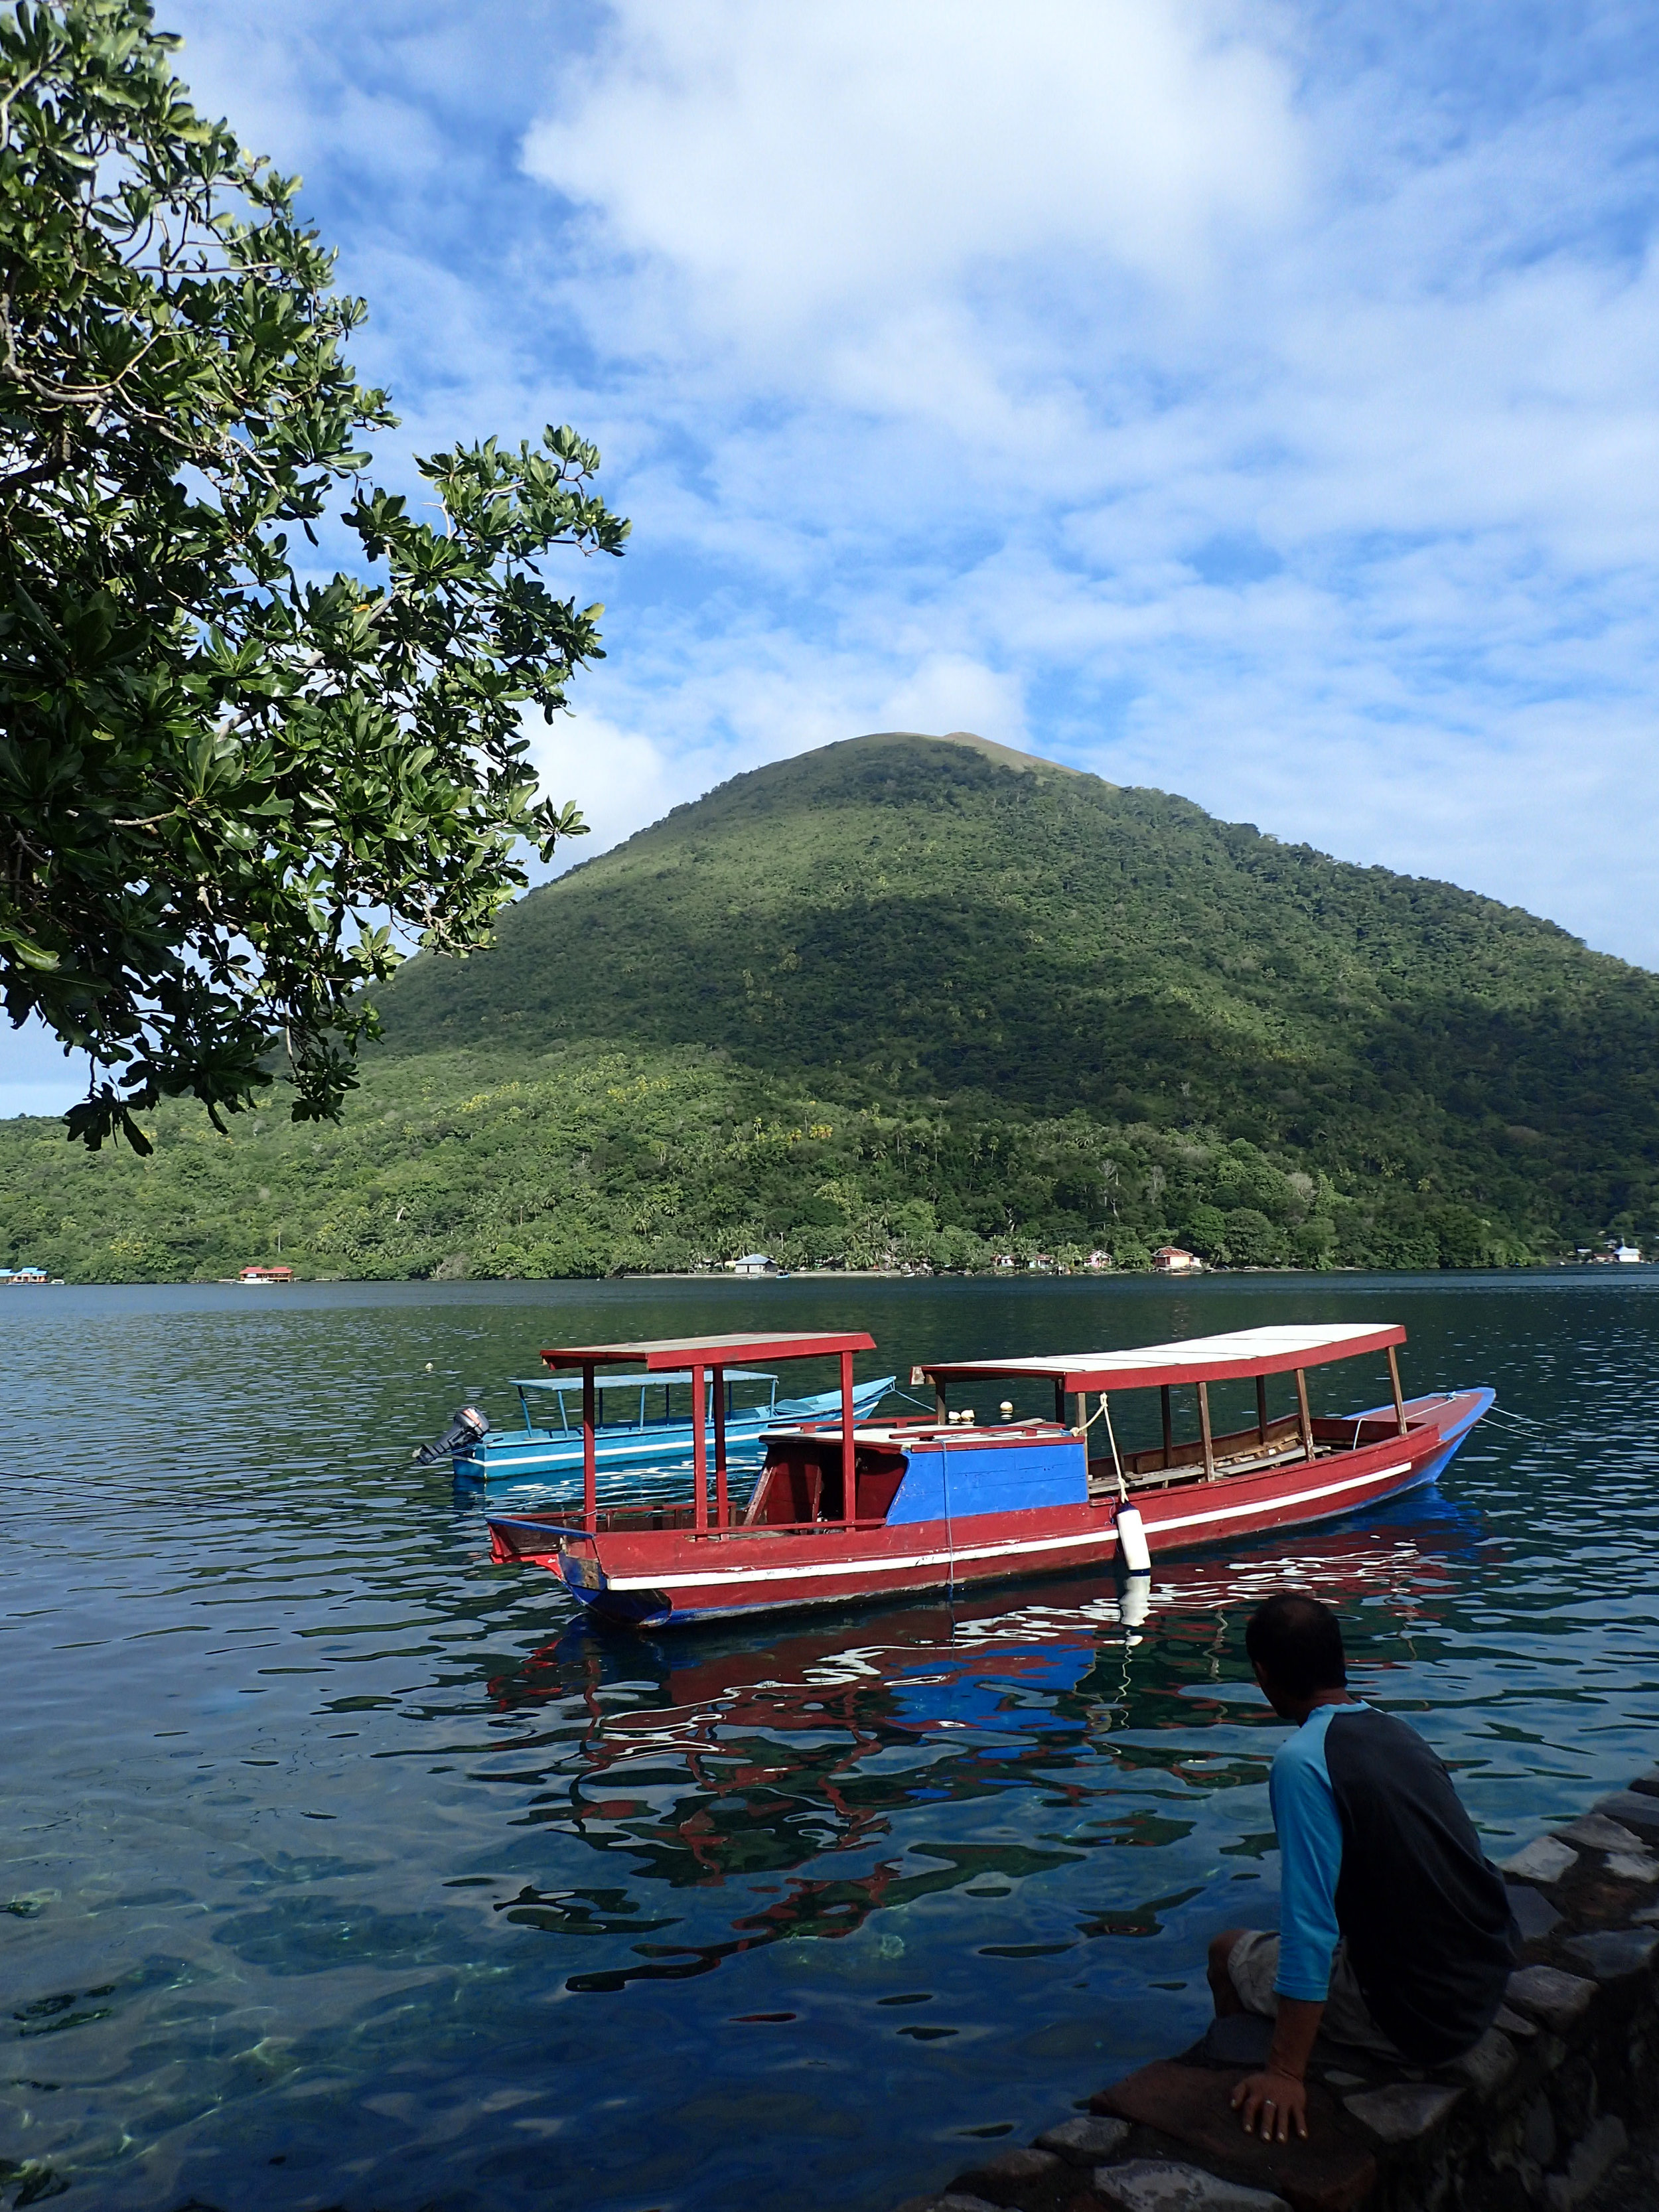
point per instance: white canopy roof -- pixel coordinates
(1241, 1352)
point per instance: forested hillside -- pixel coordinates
(917, 998)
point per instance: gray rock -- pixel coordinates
(954, 2201)
(1533, 1913)
(1647, 1785)
(1591, 2157)
(1538, 2137)
(1487, 2065)
(1545, 1860)
(1613, 1953)
(1014, 2164)
(1633, 1866)
(1087, 2140)
(1631, 1809)
(1548, 1995)
(1404, 2110)
(1163, 2184)
(1513, 2025)
(1597, 1833)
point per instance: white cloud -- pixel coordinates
(796, 167)
(1258, 401)
(949, 691)
(619, 778)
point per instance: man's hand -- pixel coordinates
(1278, 2096)
(1278, 2100)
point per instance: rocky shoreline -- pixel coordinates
(1538, 2113)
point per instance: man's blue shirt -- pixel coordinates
(1310, 1855)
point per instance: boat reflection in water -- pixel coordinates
(800, 1770)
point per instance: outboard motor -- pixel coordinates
(466, 1426)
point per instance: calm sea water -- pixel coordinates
(340, 1869)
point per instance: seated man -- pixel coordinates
(1396, 1934)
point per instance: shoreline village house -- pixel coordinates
(753, 1263)
(1171, 1260)
(266, 1275)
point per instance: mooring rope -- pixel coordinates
(1103, 1411)
(1508, 1414)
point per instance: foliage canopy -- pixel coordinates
(228, 782)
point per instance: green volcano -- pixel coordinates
(1031, 1010)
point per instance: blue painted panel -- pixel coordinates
(1011, 1478)
(920, 1495)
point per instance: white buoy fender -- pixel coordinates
(1132, 1552)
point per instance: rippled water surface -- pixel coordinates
(343, 1871)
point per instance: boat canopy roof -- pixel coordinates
(656, 1379)
(1241, 1352)
(724, 1351)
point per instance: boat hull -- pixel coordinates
(671, 1576)
(505, 1456)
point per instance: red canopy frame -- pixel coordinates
(708, 1356)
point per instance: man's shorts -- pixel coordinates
(1253, 1968)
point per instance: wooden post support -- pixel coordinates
(849, 1488)
(1060, 1401)
(699, 1453)
(589, 1457)
(1305, 1418)
(1204, 1431)
(939, 1407)
(1261, 1409)
(1399, 1401)
(1168, 1426)
(721, 1516)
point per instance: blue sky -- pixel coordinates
(1260, 401)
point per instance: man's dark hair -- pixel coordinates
(1296, 1641)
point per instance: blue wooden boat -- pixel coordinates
(638, 1423)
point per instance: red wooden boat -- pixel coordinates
(843, 1511)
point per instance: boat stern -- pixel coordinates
(573, 1554)
(528, 1540)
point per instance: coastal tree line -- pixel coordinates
(595, 1162)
